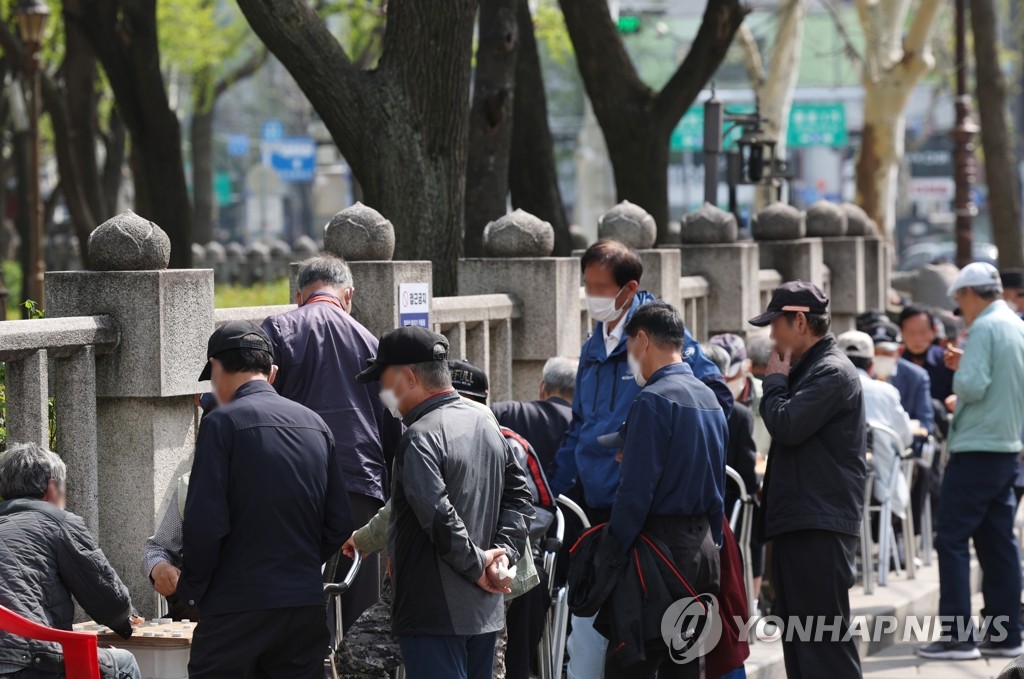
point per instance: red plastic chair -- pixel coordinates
(80, 658)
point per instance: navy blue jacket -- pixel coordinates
(319, 349)
(939, 375)
(542, 423)
(673, 458)
(605, 389)
(915, 387)
(266, 506)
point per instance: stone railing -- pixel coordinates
(72, 344)
(479, 330)
(256, 314)
(694, 292)
(768, 280)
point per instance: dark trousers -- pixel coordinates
(525, 624)
(283, 643)
(978, 504)
(812, 571)
(365, 589)
(448, 657)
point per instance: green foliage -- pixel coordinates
(13, 281)
(261, 294)
(552, 35)
(34, 312)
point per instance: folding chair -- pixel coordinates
(741, 521)
(333, 592)
(81, 660)
(866, 549)
(886, 536)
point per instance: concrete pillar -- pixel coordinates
(662, 269)
(845, 259)
(801, 259)
(732, 270)
(877, 272)
(27, 392)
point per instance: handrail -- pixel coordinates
(59, 337)
(471, 308)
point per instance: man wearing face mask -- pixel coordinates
(460, 512)
(605, 389)
(812, 497)
(319, 350)
(266, 508)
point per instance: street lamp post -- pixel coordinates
(32, 16)
(963, 147)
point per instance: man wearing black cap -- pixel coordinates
(1013, 289)
(461, 511)
(813, 490)
(266, 508)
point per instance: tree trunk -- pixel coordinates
(123, 34)
(490, 120)
(1000, 170)
(80, 95)
(201, 134)
(533, 175)
(637, 121)
(881, 150)
(402, 127)
(115, 142)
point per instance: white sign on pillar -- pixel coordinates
(414, 304)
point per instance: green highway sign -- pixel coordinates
(629, 23)
(810, 125)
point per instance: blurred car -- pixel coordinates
(919, 254)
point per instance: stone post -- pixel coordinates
(366, 241)
(844, 256)
(236, 266)
(257, 268)
(145, 420)
(710, 249)
(781, 231)
(216, 257)
(876, 256)
(518, 246)
(633, 225)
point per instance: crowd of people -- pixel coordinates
(319, 442)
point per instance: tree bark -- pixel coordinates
(115, 142)
(533, 175)
(491, 120)
(403, 126)
(123, 34)
(637, 122)
(1000, 170)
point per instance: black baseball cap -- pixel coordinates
(406, 345)
(1012, 278)
(884, 332)
(235, 335)
(469, 380)
(795, 296)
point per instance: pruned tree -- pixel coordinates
(996, 140)
(637, 121)
(892, 64)
(775, 85)
(123, 36)
(401, 126)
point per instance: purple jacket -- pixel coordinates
(319, 349)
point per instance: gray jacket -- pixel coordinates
(47, 556)
(458, 491)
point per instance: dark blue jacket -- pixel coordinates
(939, 375)
(542, 423)
(673, 458)
(319, 349)
(605, 389)
(915, 387)
(266, 506)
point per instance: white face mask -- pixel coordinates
(884, 366)
(602, 309)
(634, 367)
(389, 400)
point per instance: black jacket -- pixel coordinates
(741, 454)
(47, 555)
(266, 506)
(816, 466)
(542, 423)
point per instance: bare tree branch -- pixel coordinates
(751, 56)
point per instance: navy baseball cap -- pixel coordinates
(406, 345)
(793, 297)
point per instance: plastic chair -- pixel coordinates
(886, 536)
(741, 522)
(333, 592)
(81, 659)
(866, 550)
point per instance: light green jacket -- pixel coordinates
(989, 385)
(373, 537)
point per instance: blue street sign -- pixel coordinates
(272, 130)
(238, 145)
(294, 158)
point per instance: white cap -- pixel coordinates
(976, 275)
(856, 344)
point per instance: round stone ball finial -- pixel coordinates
(709, 224)
(128, 242)
(826, 220)
(577, 238)
(629, 224)
(519, 234)
(360, 234)
(779, 221)
(858, 223)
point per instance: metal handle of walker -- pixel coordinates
(333, 588)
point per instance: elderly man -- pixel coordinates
(47, 555)
(266, 507)
(977, 488)
(544, 422)
(813, 489)
(461, 511)
(319, 349)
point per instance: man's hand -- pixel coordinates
(497, 572)
(349, 548)
(951, 403)
(485, 582)
(779, 365)
(952, 357)
(165, 578)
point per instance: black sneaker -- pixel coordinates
(1000, 650)
(950, 650)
